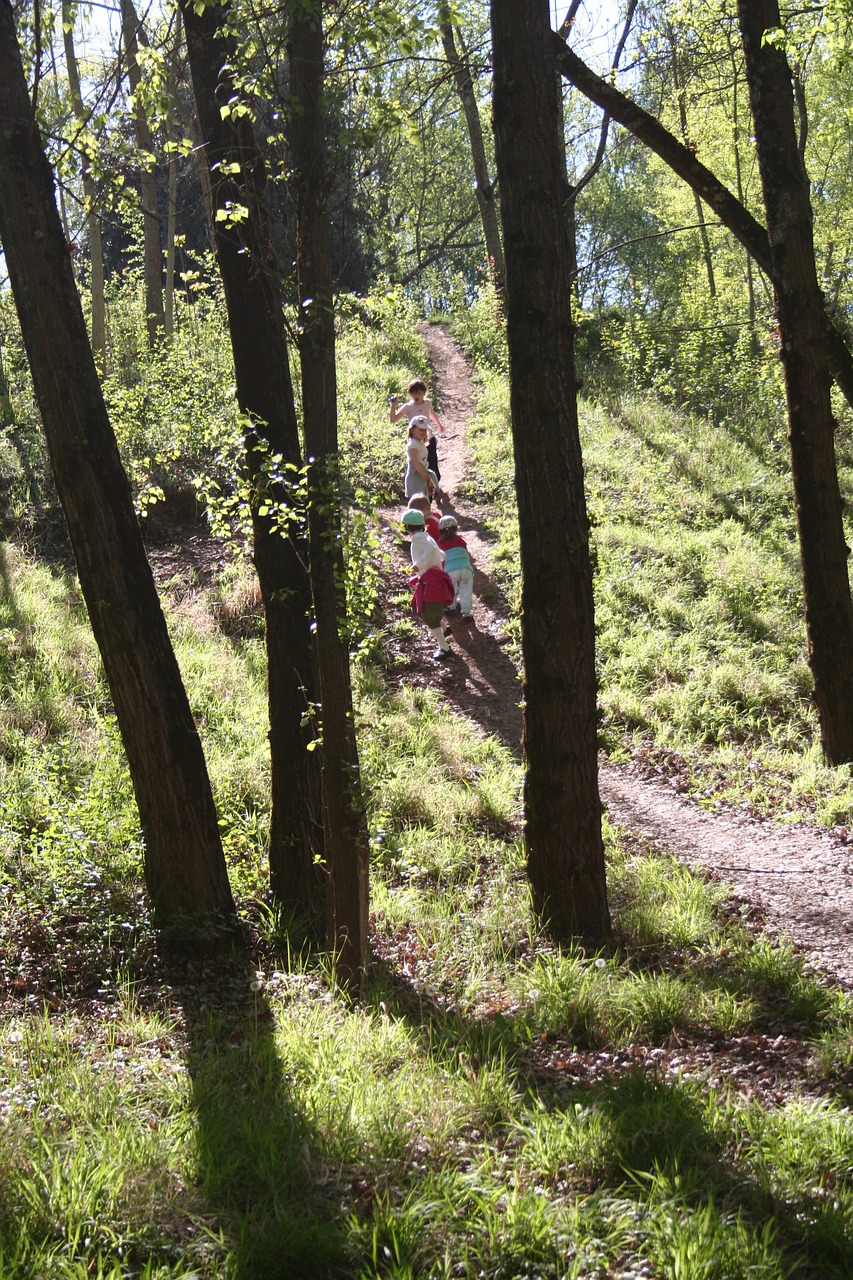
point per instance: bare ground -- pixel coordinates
(800, 880)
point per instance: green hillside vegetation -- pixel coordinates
(489, 1105)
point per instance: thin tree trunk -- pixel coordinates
(565, 855)
(191, 125)
(685, 135)
(811, 425)
(184, 864)
(272, 461)
(343, 809)
(484, 188)
(93, 221)
(134, 35)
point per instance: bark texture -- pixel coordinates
(265, 394)
(184, 864)
(562, 808)
(811, 426)
(345, 827)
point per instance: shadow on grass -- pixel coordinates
(644, 1131)
(256, 1149)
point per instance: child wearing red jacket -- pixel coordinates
(433, 588)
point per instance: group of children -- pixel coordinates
(443, 578)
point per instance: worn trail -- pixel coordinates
(800, 879)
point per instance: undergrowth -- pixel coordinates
(675, 1104)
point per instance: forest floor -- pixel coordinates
(797, 881)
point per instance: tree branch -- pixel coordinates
(743, 226)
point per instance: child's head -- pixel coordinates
(447, 526)
(417, 388)
(413, 520)
(417, 425)
(420, 502)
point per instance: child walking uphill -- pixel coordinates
(433, 588)
(418, 478)
(416, 405)
(458, 564)
(419, 502)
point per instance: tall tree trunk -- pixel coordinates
(134, 35)
(93, 220)
(343, 810)
(685, 135)
(272, 459)
(184, 864)
(811, 425)
(484, 189)
(190, 123)
(565, 854)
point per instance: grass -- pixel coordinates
(489, 1105)
(701, 646)
(676, 1105)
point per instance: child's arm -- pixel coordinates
(434, 419)
(394, 414)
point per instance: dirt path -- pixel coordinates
(800, 879)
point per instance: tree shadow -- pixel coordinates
(258, 1155)
(630, 1127)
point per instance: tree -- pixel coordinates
(133, 35)
(346, 841)
(272, 456)
(565, 854)
(93, 219)
(460, 66)
(811, 425)
(684, 162)
(184, 863)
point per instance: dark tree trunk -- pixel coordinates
(265, 394)
(343, 811)
(565, 853)
(484, 189)
(184, 864)
(811, 426)
(683, 161)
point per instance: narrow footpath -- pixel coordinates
(799, 879)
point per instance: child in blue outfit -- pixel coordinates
(457, 564)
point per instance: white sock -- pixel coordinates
(439, 638)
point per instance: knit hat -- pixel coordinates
(446, 523)
(413, 519)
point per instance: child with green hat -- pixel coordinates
(433, 588)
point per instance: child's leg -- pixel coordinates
(432, 457)
(433, 616)
(465, 587)
(440, 639)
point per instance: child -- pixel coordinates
(457, 564)
(419, 502)
(433, 588)
(417, 477)
(416, 405)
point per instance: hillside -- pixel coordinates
(799, 880)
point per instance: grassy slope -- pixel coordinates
(674, 1106)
